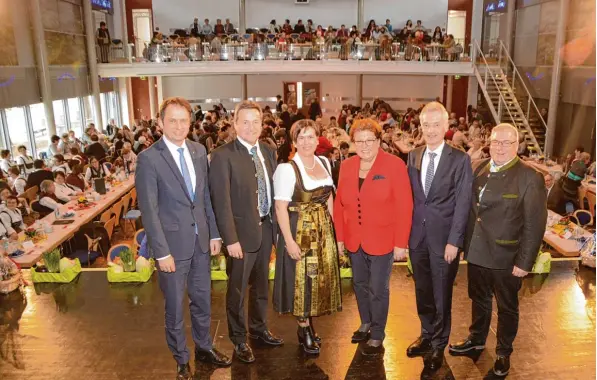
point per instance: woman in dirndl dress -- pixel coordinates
(307, 281)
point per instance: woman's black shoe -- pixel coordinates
(306, 340)
(316, 338)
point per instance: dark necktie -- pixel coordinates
(261, 184)
(430, 172)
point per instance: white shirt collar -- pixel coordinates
(438, 151)
(247, 145)
(173, 148)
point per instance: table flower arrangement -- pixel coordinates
(54, 268)
(10, 275)
(129, 267)
(83, 203)
(34, 235)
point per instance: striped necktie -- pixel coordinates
(430, 172)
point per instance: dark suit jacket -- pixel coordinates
(169, 214)
(234, 193)
(37, 177)
(555, 199)
(507, 224)
(442, 215)
(97, 150)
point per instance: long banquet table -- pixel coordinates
(566, 247)
(62, 233)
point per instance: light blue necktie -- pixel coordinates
(186, 175)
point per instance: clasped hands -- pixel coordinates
(168, 265)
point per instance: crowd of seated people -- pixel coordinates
(74, 166)
(382, 35)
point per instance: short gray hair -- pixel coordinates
(45, 185)
(505, 126)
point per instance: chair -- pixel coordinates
(105, 216)
(591, 200)
(30, 194)
(139, 236)
(116, 210)
(109, 226)
(584, 217)
(132, 215)
(92, 248)
(126, 200)
(116, 250)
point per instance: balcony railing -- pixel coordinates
(260, 51)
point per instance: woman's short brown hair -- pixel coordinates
(247, 105)
(301, 125)
(365, 125)
(177, 101)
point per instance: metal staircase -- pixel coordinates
(508, 97)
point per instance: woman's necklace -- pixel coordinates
(312, 167)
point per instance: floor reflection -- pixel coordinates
(366, 367)
(12, 307)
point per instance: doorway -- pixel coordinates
(142, 29)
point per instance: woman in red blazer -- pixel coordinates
(372, 215)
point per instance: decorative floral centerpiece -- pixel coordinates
(82, 201)
(129, 267)
(34, 235)
(55, 268)
(10, 275)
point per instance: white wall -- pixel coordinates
(174, 14)
(402, 91)
(322, 12)
(431, 12)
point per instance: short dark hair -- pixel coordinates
(94, 138)
(4, 153)
(38, 164)
(14, 170)
(59, 157)
(58, 173)
(12, 198)
(21, 147)
(55, 139)
(119, 136)
(344, 145)
(102, 24)
(580, 148)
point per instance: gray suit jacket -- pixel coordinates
(169, 214)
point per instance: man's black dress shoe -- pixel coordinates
(360, 336)
(183, 372)
(244, 353)
(501, 366)
(368, 350)
(268, 338)
(212, 356)
(419, 347)
(466, 346)
(435, 360)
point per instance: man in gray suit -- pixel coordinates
(174, 199)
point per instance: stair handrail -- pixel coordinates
(501, 98)
(528, 93)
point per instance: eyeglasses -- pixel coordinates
(505, 143)
(361, 143)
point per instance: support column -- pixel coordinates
(152, 97)
(43, 66)
(124, 101)
(449, 91)
(360, 15)
(242, 17)
(129, 102)
(359, 90)
(508, 41)
(92, 64)
(243, 87)
(556, 78)
(160, 90)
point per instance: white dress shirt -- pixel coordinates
(173, 148)
(5, 165)
(426, 159)
(63, 192)
(9, 217)
(260, 155)
(49, 203)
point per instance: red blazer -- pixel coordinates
(378, 217)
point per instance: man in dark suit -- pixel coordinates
(95, 149)
(441, 181)
(504, 233)
(242, 192)
(555, 195)
(39, 175)
(171, 181)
